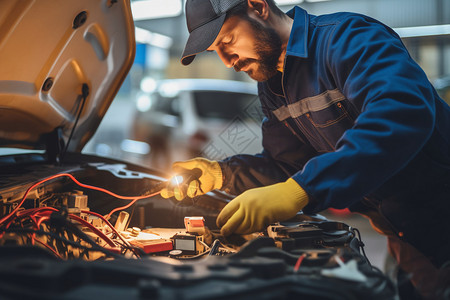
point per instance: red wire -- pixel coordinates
(36, 225)
(299, 262)
(44, 212)
(50, 248)
(129, 204)
(101, 217)
(42, 219)
(25, 196)
(121, 208)
(34, 211)
(95, 230)
(107, 223)
(134, 198)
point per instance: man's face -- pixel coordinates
(247, 45)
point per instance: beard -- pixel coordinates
(268, 48)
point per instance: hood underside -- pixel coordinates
(60, 59)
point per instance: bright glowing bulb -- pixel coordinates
(176, 180)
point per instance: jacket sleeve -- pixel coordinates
(372, 68)
(283, 154)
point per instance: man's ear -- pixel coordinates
(260, 8)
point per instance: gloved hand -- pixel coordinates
(255, 209)
(210, 178)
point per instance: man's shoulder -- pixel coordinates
(339, 17)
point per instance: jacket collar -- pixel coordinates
(297, 44)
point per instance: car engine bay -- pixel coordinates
(92, 223)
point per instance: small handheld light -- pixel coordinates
(184, 183)
(176, 180)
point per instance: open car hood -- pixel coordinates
(60, 60)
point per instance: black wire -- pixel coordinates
(84, 95)
(138, 252)
(95, 247)
(214, 247)
(61, 227)
(78, 232)
(361, 246)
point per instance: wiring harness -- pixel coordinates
(67, 235)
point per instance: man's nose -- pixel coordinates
(227, 58)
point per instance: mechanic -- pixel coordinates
(351, 121)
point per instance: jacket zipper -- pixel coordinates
(288, 102)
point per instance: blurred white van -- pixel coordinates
(185, 118)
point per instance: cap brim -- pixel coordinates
(201, 38)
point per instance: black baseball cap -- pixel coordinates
(204, 20)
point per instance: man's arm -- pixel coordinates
(284, 154)
(374, 71)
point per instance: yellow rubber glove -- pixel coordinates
(210, 178)
(257, 208)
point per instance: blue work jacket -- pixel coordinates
(355, 121)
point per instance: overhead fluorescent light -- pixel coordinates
(418, 31)
(145, 36)
(288, 2)
(155, 9)
(312, 1)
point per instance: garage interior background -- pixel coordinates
(161, 34)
